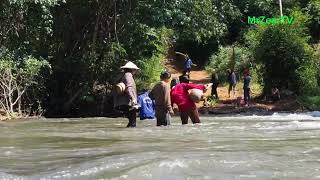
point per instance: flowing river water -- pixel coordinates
(280, 146)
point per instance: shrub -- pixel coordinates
(283, 55)
(152, 66)
(16, 76)
(237, 58)
(311, 102)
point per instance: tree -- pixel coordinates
(313, 9)
(15, 79)
(284, 54)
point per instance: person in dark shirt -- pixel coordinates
(184, 78)
(275, 94)
(232, 79)
(246, 87)
(215, 83)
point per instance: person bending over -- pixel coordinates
(180, 97)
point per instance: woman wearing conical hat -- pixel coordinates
(126, 102)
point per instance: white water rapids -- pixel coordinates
(280, 146)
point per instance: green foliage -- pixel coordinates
(313, 9)
(25, 24)
(196, 20)
(151, 67)
(308, 78)
(16, 80)
(198, 25)
(311, 102)
(237, 58)
(25, 70)
(284, 54)
(212, 102)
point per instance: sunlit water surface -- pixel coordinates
(281, 146)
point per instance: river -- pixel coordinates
(280, 146)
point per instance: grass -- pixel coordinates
(212, 102)
(311, 102)
(256, 89)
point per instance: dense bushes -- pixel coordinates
(276, 54)
(152, 66)
(313, 9)
(18, 76)
(285, 57)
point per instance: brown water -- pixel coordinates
(282, 146)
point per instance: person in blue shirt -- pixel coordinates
(146, 106)
(187, 65)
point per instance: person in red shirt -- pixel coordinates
(187, 108)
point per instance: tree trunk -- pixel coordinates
(68, 104)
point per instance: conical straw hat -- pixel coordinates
(129, 65)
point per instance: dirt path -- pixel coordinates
(198, 76)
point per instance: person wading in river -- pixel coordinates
(161, 94)
(180, 97)
(126, 101)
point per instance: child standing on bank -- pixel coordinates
(161, 94)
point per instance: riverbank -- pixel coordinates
(228, 107)
(2, 115)
(289, 105)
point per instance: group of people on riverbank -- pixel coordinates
(232, 81)
(168, 96)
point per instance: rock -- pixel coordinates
(315, 113)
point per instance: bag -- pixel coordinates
(196, 95)
(120, 88)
